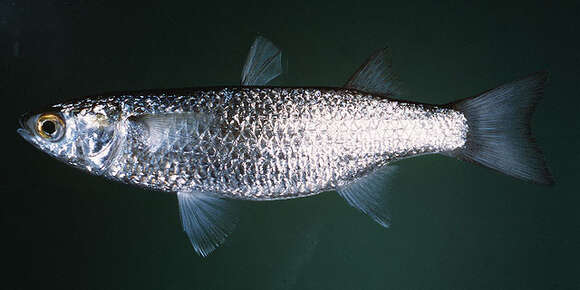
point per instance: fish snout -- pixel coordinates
(23, 120)
(25, 131)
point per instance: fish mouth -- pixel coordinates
(24, 133)
(24, 130)
(22, 120)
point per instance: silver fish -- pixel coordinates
(255, 142)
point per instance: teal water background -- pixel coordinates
(455, 225)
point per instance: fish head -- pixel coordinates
(84, 135)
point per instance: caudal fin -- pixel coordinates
(499, 135)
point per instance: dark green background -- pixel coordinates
(455, 225)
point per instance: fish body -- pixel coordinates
(263, 143)
(255, 142)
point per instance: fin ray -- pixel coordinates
(263, 64)
(366, 195)
(376, 75)
(499, 135)
(206, 219)
(164, 130)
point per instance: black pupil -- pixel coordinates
(48, 127)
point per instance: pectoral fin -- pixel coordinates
(263, 64)
(164, 130)
(367, 195)
(207, 220)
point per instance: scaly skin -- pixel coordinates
(269, 143)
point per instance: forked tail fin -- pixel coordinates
(499, 134)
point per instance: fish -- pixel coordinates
(212, 145)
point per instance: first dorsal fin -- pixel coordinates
(263, 64)
(376, 75)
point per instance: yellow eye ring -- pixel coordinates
(50, 126)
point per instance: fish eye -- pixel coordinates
(50, 126)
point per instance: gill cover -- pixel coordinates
(98, 140)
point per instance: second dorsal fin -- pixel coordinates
(376, 75)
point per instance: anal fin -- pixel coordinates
(366, 194)
(207, 220)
